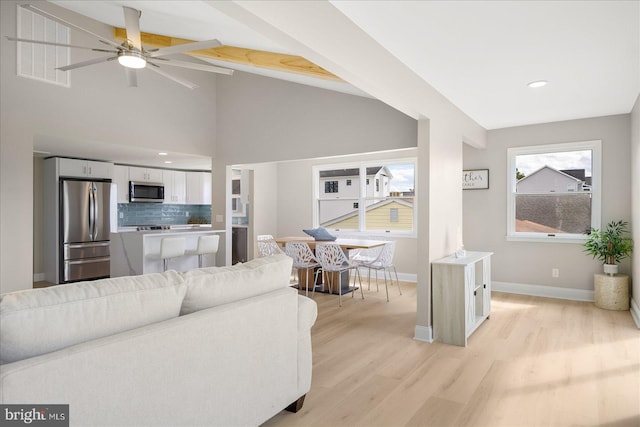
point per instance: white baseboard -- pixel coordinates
(38, 277)
(543, 291)
(423, 333)
(635, 312)
(407, 277)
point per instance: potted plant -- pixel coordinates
(610, 245)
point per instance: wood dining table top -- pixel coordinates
(345, 244)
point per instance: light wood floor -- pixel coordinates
(535, 362)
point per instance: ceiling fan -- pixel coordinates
(131, 54)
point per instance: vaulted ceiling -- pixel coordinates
(480, 55)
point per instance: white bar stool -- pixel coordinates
(170, 247)
(207, 245)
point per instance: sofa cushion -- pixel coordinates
(213, 286)
(39, 321)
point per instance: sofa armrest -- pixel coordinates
(307, 314)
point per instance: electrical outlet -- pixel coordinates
(186, 213)
(555, 272)
(121, 215)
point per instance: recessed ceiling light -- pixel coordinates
(162, 154)
(537, 83)
(168, 161)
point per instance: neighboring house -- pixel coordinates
(391, 214)
(538, 210)
(344, 185)
(550, 180)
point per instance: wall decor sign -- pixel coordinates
(475, 179)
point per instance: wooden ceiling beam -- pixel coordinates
(238, 55)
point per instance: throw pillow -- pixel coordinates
(320, 234)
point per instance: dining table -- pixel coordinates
(346, 244)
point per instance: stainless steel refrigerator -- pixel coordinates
(84, 229)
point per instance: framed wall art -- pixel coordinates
(475, 179)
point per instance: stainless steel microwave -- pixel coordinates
(147, 192)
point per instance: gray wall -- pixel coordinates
(635, 208)
(262, 119)
(98, 108)
(485, 211)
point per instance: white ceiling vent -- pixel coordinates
(40, 61)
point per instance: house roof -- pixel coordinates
(334, 173)
(369, 208)
(552, 169)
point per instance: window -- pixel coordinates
(331, 187)
(553, 191)
(389, 207)
(348, 182)
(393, 214)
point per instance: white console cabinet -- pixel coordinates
(461, 296)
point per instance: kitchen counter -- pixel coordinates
(130, 250)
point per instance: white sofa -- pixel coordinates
(216, 346)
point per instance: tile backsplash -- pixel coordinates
(133, 214)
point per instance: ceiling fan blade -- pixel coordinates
(185, 47)
(15, 39)
(68, 24)
(194, 66)
(132, 77)
(183, 82)
(85, 63)
(132, 25)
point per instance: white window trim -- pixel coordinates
(362, 199)
(596, 190)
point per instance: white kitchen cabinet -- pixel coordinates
(121, 179)
(198, 188)
(461, 296)
(145, 174)
(84, 168)
(175, 186)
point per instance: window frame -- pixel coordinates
(362, 197)
(596, 190)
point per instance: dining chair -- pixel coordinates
(334, 262)
(384, 262)
(303, 259)
(267, 246)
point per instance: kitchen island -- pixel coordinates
(130, 250)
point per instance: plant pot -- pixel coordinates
(611, 292)
(611, 269)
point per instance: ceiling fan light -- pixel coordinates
(131, 60)
(537, 83)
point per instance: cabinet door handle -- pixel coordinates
(89, 170)
(485, 286)
(474, 293)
